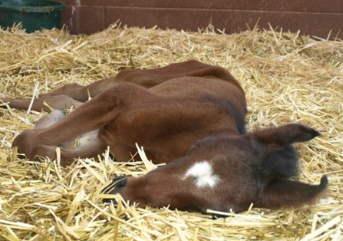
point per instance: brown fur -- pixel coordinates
(182, 114)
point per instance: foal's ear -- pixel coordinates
(285, 135)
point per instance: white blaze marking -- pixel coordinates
(202, 174)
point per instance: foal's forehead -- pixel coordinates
(202, 174)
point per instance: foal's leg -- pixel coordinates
(82, 93)
(64, 97)
(81, 142)
(57, 102)
(84, 146)
(93, 115)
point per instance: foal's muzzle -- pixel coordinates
(116, 185)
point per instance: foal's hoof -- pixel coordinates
(117, 184)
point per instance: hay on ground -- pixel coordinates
(287, 78)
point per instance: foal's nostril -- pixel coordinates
(117, 184)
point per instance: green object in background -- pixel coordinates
(34, 14)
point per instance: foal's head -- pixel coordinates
(229, 172)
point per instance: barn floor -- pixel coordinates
(287, 78)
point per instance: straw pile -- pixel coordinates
(287, 78)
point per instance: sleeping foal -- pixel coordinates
(189, 115)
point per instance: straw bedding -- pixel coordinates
(287, 78)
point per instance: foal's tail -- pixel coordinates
(291, 194)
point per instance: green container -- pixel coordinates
(33, 14)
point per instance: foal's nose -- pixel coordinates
(117, 184)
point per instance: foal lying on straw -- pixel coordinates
(189, 115)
